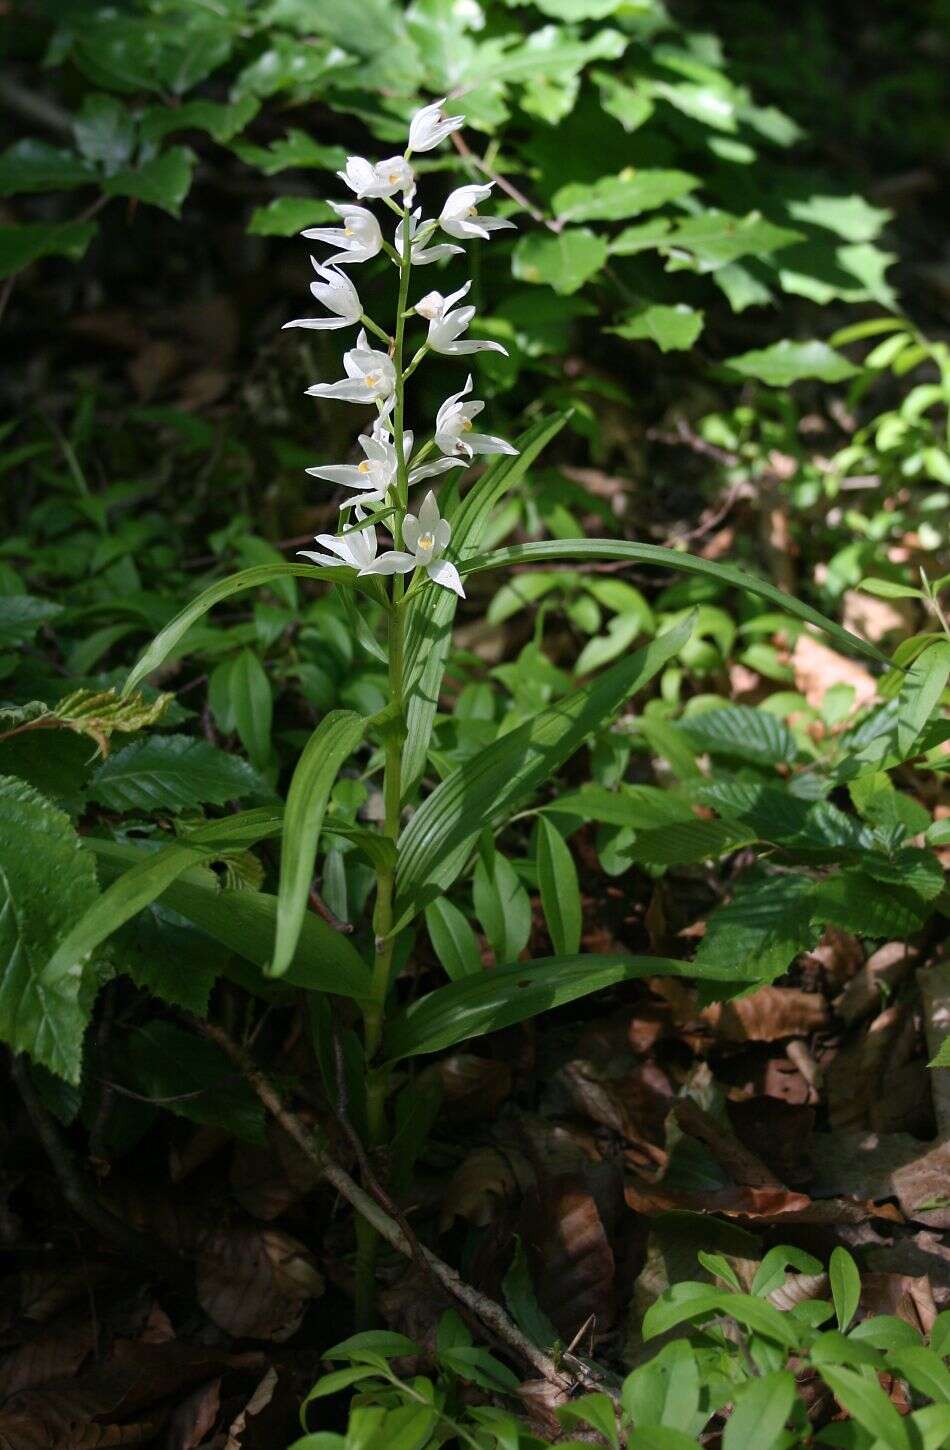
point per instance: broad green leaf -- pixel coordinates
(845, 1286)
(373, 1344)
(285, 216)
(194, 1079)
(221, 121)
(674, 1307)
(851, 217)
(565, 261)
(164, 181)
(171, 772)
(335, 738)
(888, 589)
(105, 132)
(522, 1301)
(485, 790)
(493, 1000)
(681, 842)
(665, 1390)
(595, 1410)
(30, 165)
(294, 150)
(713, 239)
(551, 550)
(759, 1412)
(560, 893)
(21, 615)
(613, 198)
(46, 882)
(252, 705)
(19, 246)
(672, 328)
(924, 1370)
(864, 1399)
(453, 940)
(256, 578)
(788, 362)
(756, 935)
(245, 922)
(856, 901)
(942, 1058)
(742, 732)
(429, 631)
(659, 1437)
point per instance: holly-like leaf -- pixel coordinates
(164, 181)
(46, 883)
(171, 772)
(672, 328)
(788, 362)
(614, 198)
(565, 261)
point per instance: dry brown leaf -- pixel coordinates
(909, 1298)
(472, 1087)
(816, 668)
(51, 1356)
(777, 1132)
(195, 1417)
(572, 1262)
(256, 1282)
(767, 1015)
(743, 1166)
(878, 619)
(259, 1401)
(478, 1187)
(876, 982)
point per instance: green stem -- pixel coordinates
(374, 1012)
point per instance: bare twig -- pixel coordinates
(504, 184)
(487, 1311)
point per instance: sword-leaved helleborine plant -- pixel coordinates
(437, 821)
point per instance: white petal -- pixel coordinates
(392, 562)
(441, 571)
(429, 514)
(320, 324)
(430, 470)
(487, 443)
(456, 349)
(410, 532)
(326, 561)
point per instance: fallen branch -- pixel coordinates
(486, 1310)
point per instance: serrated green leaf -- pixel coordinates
(46, 882)
(614, 198)
(742, 732)
(335, 738)
(672, 328)
(164, 181)
(788, 362)
(171, 772)
(19, 246)
(21, 615)
(565, 262)
(755, 936)
(285, 216)
(31, 166)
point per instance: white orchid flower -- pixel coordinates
(337, 293)
(445, 326)
(370, 377)
(374, 476)
(427, 537)
(460, 216)
(359, 238)
(384, 178)
(357, 548)
(453, 427)
(429, 128)
(419, 234)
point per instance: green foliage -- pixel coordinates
(736, 1374)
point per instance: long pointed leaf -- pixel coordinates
(553, 549)
(493, 1000)
(261, 574)
(484, 791)
(429, 631)
(244, 921)
(336, 737)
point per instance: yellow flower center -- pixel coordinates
(362, 467)
(426, 542)
(347, 231)
(466, 425)
(472, 211)
(393, 178)
(370, 380)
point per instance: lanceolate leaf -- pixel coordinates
(486, 1003)
(550, 550)
(262, 574)
(560, 893)
(485, 790)
(430, 623)
(46, 881)
(336, 737)
(244, 921)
